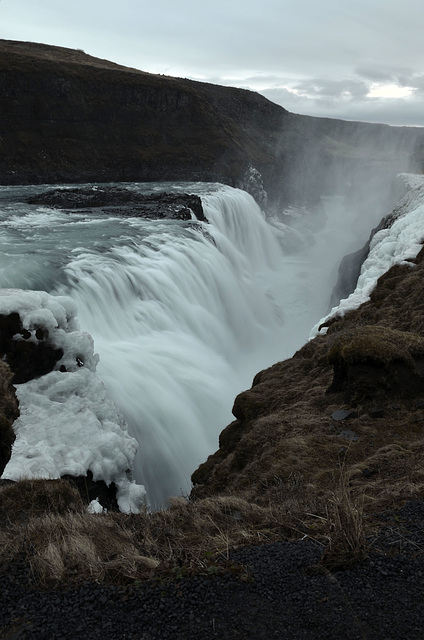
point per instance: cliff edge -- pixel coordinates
(68, 117)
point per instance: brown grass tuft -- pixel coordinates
(75, 546)
(346, 528)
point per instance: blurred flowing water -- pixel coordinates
(183, 314)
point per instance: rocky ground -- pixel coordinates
(279, 594)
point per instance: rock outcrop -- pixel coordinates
(124, 202)
(28, 356)
(371, 363)
(28, 351)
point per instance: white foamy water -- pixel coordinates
(183, 315)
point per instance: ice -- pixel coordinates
(96, 507)
(67, 423)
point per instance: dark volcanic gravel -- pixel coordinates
(380, 598)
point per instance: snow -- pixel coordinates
(398, 244)
(96, 507)
(67, 423)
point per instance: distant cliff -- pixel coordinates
(68, 117)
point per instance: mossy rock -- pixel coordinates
(376, 345)
(376, 363)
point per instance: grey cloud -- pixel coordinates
(374, 74)
(399, 111)
(328, 88)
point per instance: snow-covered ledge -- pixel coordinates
(398, 242)
(67, 423)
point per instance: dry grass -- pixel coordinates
(74, 546)
(376, 344)
(65, 544)
(27, 499)
(346, 527)
(62, 542)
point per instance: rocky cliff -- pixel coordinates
(350, 402)
(68, 117)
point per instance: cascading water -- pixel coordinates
(183, 314)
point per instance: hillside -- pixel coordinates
(68, 117)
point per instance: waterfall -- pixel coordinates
(183, 314)
(182, 320)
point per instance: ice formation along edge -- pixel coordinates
(67, 422)
(398, 244)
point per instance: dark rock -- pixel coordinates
(348, 434)
(376, 412)
(350, 266)
(372, 363)
(344, 414)
(124, 202)
(27, 358)
(9, 411)
(348, 274)
(90, 489)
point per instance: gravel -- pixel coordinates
(380, 598)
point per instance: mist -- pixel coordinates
(340, 183)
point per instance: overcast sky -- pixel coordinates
(351, 59)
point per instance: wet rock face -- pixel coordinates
(124, 202)
(29, 356)
(9, 411)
